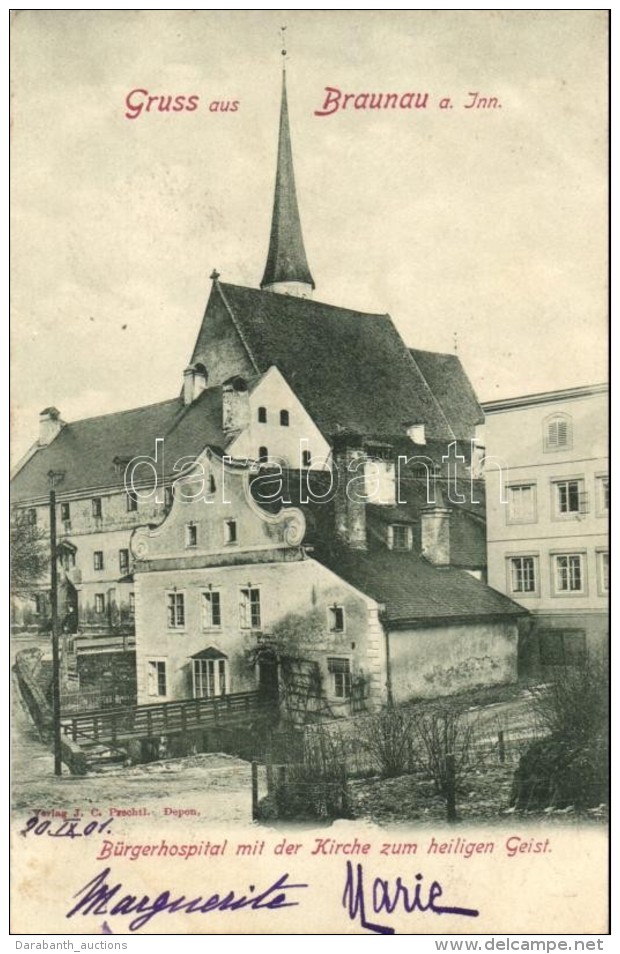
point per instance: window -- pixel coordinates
(211, 610)
(306, 458)
(65, 512)
(399, 537)
(230, 531)
(191, 535)
(32, 517)
(132, 605)
(602, 495)
(39, 604)
(417, 433)
(522, 503)
(262, 415)
(168, 497)
(562, 647)
(340, 670)
(96, 507)
(132, 501)
(68, 558)
(558, 432)
(156, 677)
(99, 603)
(569, 573)
(209, 678)
(523, 574)
(570, 499)
(249, 608)
(602, 569)
(284, 418)
(263, 455)
(176, 610)
(98, 559)
(336, 618)
(212, 485)
(123, 560)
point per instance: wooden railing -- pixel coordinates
(164, 718)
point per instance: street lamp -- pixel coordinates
(55, 477)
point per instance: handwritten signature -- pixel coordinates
(99, 898)
(102, 897)
(388, 898)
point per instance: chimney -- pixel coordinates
(194, 382)
(435, 534)
(350, 499)
(235, 405)
(50, 425)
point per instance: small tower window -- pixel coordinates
(558, 432)
(262, 415)
(284, 418)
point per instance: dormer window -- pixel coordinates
(262, 415)
(399, 537)
(284, 419)
(558, 433)
(416, 433)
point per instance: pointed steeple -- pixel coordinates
(287, 269)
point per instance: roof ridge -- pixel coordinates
(311, 301)
(129, 410)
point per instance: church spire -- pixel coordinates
(287, 269)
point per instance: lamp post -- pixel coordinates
(53, 477)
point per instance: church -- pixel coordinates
(309, 502)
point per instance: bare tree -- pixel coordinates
(387, 737)
(444, 738)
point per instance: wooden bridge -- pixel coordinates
(112, 726)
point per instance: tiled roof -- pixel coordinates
(351, 370)
(412, 590)
(85, 450)
(447, 380)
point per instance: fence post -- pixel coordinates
(450, 788)
(254, 790)
(501, 746)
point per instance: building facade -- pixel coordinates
(547, 518)
(279, 382)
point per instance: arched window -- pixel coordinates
(558, 432)
(284, 418)
(263, 455)
(262, 415)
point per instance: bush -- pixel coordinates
(570, 766)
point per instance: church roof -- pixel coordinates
(447, 380)
(286, 259)
(351, 370)
(85, 451)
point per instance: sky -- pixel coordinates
(484, 224)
